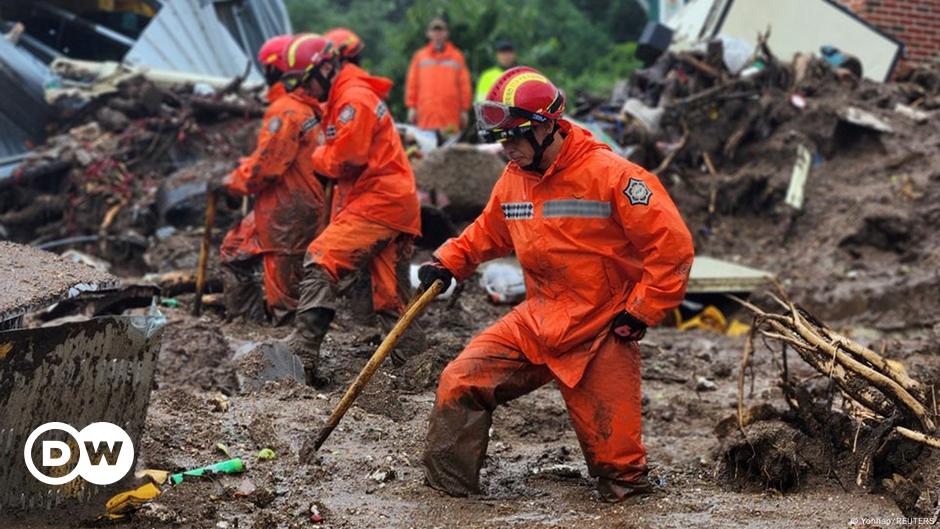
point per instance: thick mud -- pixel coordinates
(368, 474)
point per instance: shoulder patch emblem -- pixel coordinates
(380, 110)
(637, 192)
(274, 125)
(347, 114)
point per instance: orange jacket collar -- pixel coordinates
(447, 49)
(276, 91)
(304, 97)
(576, 143)
(352, 75)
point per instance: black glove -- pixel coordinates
(430, 272)
(216, 186)
(627, 328)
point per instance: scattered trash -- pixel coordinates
(863, 118)
(315, 514)
(918, 116)
(798, 179)
(124, 503)
(704, 384)
(170, 302)
(266, 454)
(231, 466)
(383, 475)
(710, 318)
(219, 402)
(222, 448)
(158, 477)
(503, 281)
(561, 470)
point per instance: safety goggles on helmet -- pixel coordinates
(292, 80)
(493, 115)
(501, 135)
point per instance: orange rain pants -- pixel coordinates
(604, 408)
(289, 200)
(375, 211)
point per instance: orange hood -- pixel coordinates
(352, 75)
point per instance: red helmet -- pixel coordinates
(347, 43)
(272, 51)
(305, 52)
(520, 96)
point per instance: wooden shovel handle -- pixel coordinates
(204, 253)
(373, 364)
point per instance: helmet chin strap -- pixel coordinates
(539, 148)
(271, 75)
(325, 82)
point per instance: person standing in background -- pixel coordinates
(437, 89)
(505, 59)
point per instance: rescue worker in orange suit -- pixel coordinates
(375, 214)
(605, 254)
(289, 200)
(348, 45)
(437, 89)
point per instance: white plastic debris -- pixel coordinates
(504, 282)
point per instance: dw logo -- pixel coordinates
(106, 453)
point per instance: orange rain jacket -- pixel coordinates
(363, 153)
(595, 235)
(438, 87)
(289, 199)
(241, 242)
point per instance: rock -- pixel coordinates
(245, 488)
(219, 403)
(154, 513)
(383, 475)
(561, 470)
(459, 179)
(266, 362)
(704, 384)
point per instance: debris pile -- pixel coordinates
(125, 164)
(863, 419)
(826, 180)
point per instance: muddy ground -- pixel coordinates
(369, 475)
(862, 254)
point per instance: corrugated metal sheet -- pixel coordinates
(252, 22)
(23, 112)
(187, 36)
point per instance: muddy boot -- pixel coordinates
(310, 327)
(410, 344)
(243, 293)
(615, 490)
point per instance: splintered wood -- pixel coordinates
(882, 389)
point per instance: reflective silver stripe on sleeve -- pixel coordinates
(518, 210)
(595, 209)
(450, 63)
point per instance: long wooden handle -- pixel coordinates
(204, 253)
(328, 209)
(373, 364)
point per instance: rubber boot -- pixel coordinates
(615, 490)
(310, 327)
(413, 342)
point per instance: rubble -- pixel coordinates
(124, 165)
(458, 179)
